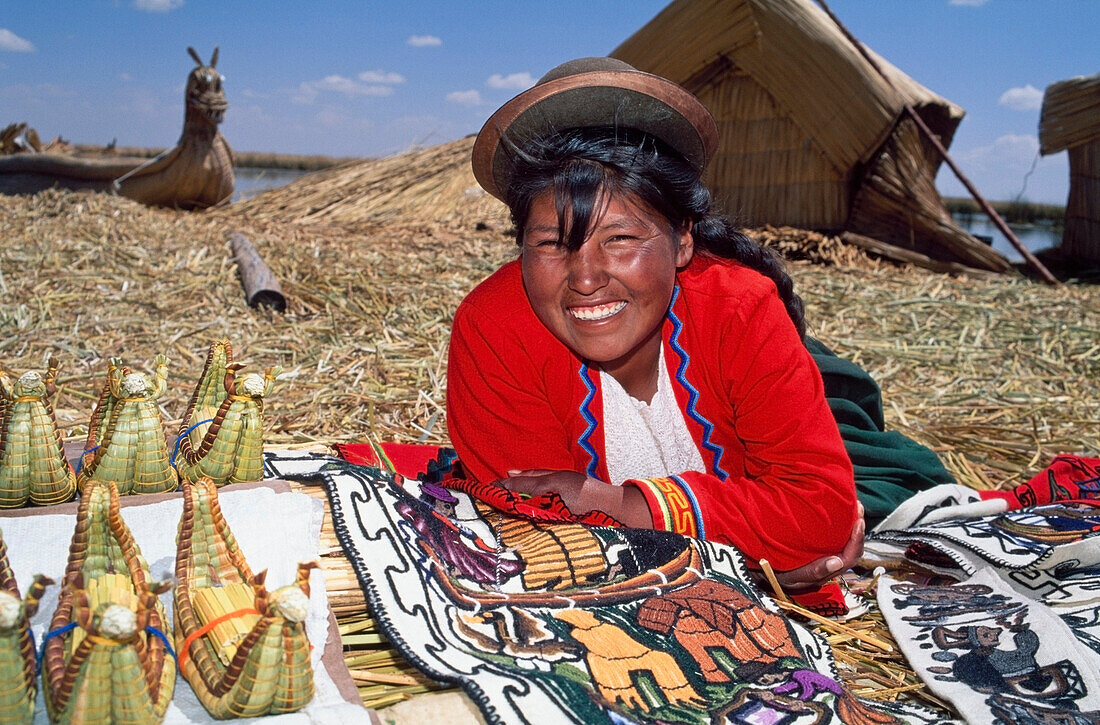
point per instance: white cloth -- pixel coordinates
(646, 440)
(274, 530)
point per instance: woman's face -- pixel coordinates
(605, 301)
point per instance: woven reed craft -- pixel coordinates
(126, 443)
(33, 467)
(221, 434)
(18, 675)
(106, 657)
(243, 649)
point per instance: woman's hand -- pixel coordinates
(819, 571)
(581, 494)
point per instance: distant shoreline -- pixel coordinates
(1014, 212)
(249, 159)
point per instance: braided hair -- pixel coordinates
(584, 166)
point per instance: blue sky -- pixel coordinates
(356, 78)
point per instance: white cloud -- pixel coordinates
(512, 81)
(1011, 151)
(968, 3)
(125, 77)
(465, 98)
(11, 42)
(378, 76)
(424, 41)
(157, 6)
(1028, 98)
(308, 91)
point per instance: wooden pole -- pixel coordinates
(260, 285)
(1030, 258)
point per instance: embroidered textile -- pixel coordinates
(560, 622)
(1018, 640)
(995, 654)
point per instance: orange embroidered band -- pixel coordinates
(671, 504)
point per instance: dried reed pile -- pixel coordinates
(434, 184)
(998, 374)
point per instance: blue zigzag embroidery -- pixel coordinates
(593, 458)
(693, 394)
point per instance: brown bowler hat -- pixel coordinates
(594, 92)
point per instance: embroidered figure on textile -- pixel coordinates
(784, 695)
(516, 633)
(463, 553)
(935, 604)
(708, 617)
(33, 467)
(1054, 524)
(132, 453)
(617, 661)
(992, 650)
(990, 666)
(555, 556)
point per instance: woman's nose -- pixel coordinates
(588, 269)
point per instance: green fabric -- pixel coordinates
(889, 467)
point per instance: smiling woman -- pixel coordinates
(640, 340)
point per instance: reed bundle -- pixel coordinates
(995, 373)
(232, 610)
(1070, 110)
(103, 590)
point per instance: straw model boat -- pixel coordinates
(196, 173)
(221, 434)
(33, 466)
(243, 649)
(126, 435)
(106, 657)
(18, 677)
(207, 398)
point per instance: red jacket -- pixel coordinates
(779, 484)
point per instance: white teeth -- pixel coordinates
(600, 312)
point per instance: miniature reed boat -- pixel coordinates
(207, 398)
(33, 466)
(231, 449)
(101, 414)
(106, 658)
(195, 174)
(132, 452)
(243, 649)
(17, 657)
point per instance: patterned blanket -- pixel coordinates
(563, 622)
(1015, 638)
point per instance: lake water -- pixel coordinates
(1042, 235)
(251, 181)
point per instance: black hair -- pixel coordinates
(579, 165)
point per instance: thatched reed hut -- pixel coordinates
(811, 134)
(1070, 121)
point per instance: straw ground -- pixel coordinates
(997, 374)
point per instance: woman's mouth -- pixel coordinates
(595, 313)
